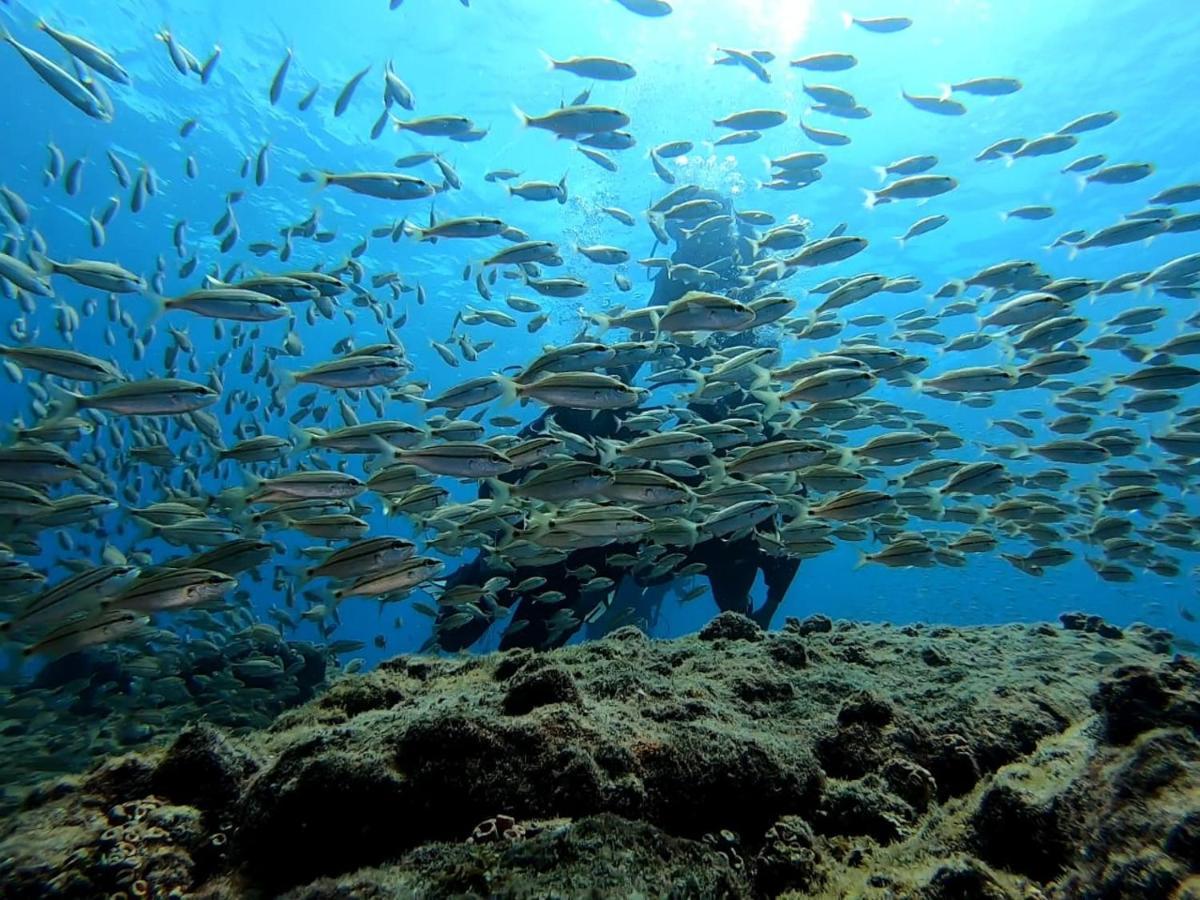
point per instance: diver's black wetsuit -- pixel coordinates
(732, 565)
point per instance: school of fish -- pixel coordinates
(213, 486)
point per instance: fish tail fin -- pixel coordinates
(847, 18)
(303, 438)
(935, 502)
(762, 378)
(159, 305)
(870, 199)
(239, 500)
(501, 492)
(510, 390)
(606, 449)
(862, 560)
(562, 189)
(1081, 182)
(68, 401)
(42, 264)
(145, 528)
(795, 508)
(551, 62)
(599, 319)
(387, 454)
(1142, 351)
(1009, 159)
(881, 171)
(902, 241)
(12, 430)
(770, 401)
(718, 474)
(945, 90)
(524, 119)
(287, 382)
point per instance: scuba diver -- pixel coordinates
(731, 566)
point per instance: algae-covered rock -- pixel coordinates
(827, 759)
(1137, 698)
(601, 856)
(540, 686)
(789, 859)
(731, 626)
(965, 880)
(203, 768)
(1021, 832)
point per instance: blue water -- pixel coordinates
(1074, 57)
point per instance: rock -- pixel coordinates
(1135, 699)
(953, 765)
(1154, 761)
(762, 688)
(864, 808)
(1149, 874)
(1183, 841)
(910, 782)
(815, 624)
(627, 634)
(327, 812)
(1074, 621)
(788, 650)
(965, 880)
(867, 709)
(599, 856)
(1016, 832)
(510, 662)
(852, 751)
(1112, 632)
(788, 860)
(690, 767)
(203, 769)
(932, 656)
(358, 695)
(731, 626)
(539, 686)
(121, 778)
(700, 781)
